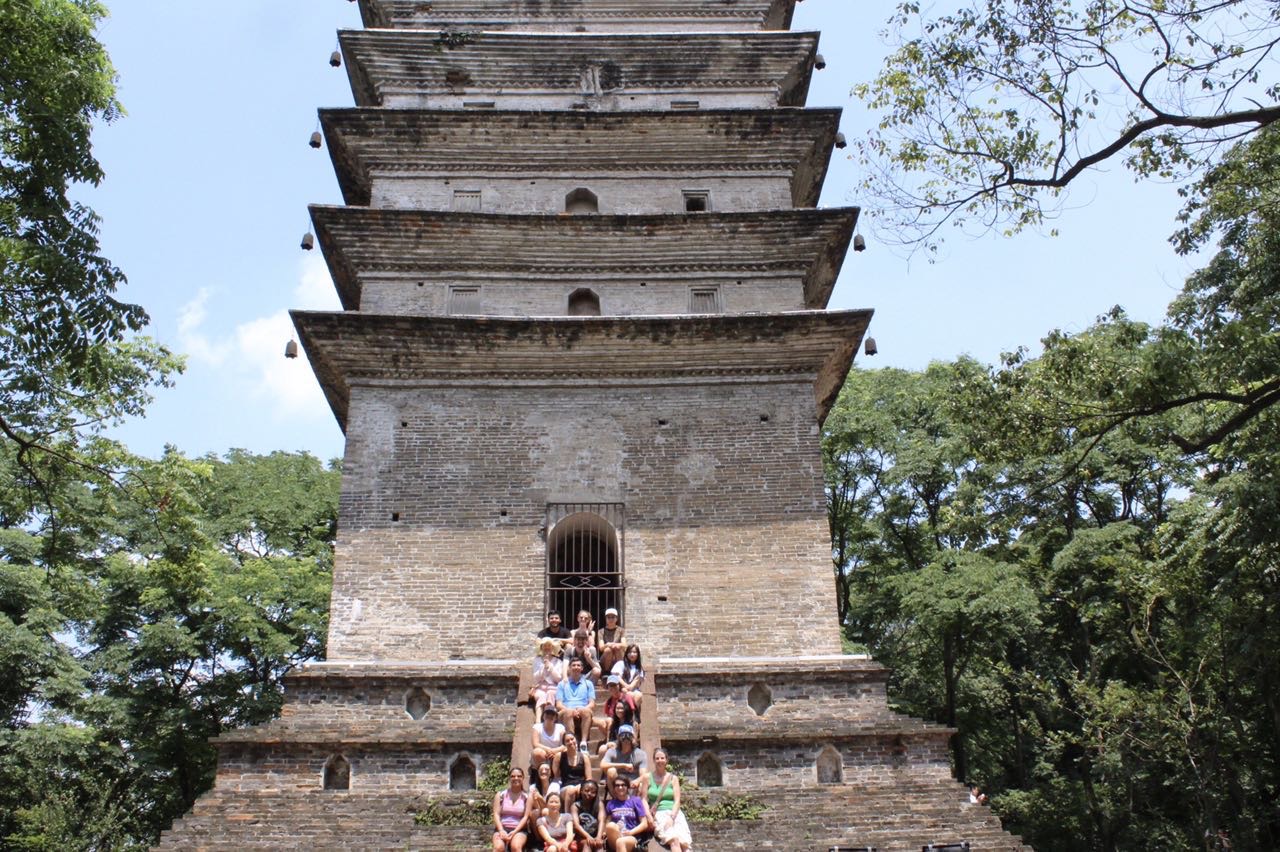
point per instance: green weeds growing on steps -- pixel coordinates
(468, 811)
(462, 813)
(728, 806)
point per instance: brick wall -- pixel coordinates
(638, 296)
(722, 485)
(410, 770)
(763, 97)
(635, 193)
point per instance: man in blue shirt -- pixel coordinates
(576, 701)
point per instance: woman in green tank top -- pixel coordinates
(662, 790)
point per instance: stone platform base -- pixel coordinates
(896, 817)
(811, 739)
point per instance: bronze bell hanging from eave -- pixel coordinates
(316, 139)
(291, 349)
(308, 241)
(335, 59)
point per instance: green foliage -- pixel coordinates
(66, 360)
(495, 777)
(137, 622)
(988, 112)
(473, 812)
(729, 806)
(1073, 558)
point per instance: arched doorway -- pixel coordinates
(584, 559)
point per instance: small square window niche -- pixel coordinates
(697, 201)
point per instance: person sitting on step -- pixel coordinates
(631, 670)
(588, 623)
(588, 817)
(548, 671)
(661, 790)
(556, 827)
(511, 814)
(616, 696)
(548, 740)
(627, 820)
(623, 714)
(543, 786)
(556, 630)
(626, 760)
(581, 649)
(576, 701)
(575, 768)
(609, 640)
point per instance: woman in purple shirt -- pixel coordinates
(627, 821)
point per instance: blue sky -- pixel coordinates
(209, 175)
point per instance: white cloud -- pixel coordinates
(315, 290)
(191, 339)
(252, 355)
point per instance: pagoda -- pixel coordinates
(583, 361)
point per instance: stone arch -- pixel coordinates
(336, 774)
(417, 703)
(710, 771)
(462, 773)
(830, 766)
(584, 564)
(584, 302)
(760, 698)
(581, 202)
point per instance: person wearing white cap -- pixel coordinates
(610, 640)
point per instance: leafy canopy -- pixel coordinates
(65, 360)
(988, 113)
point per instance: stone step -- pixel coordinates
(893, 818)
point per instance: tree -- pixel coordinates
(1213, 367)
(990, 112)
(1097, 632)
(136, 623)
(67, 362)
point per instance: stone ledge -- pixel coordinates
(411, 672)
(414, 61)
(359, 242)
(845, 668)
(364, 143)
(387, 733)
(766, 14)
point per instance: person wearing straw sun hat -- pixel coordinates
(548, 671)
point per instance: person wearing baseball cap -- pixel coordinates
(626, 759)
(610, 640)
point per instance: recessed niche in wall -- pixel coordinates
(584, 303)
(710, 771)
(466, 200)
(759, 698)
(462, 773)
(464, 300)
(417, 703)
(830, 766)
(581, 201)
(704, 300)
(337, 773)
(697, 201)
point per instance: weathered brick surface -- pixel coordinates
(901, 815)
(715, 499)
(398, 69)
(581, 15)
(664, 293)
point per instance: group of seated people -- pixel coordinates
(562, 808)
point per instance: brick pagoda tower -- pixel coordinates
(583, 362)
